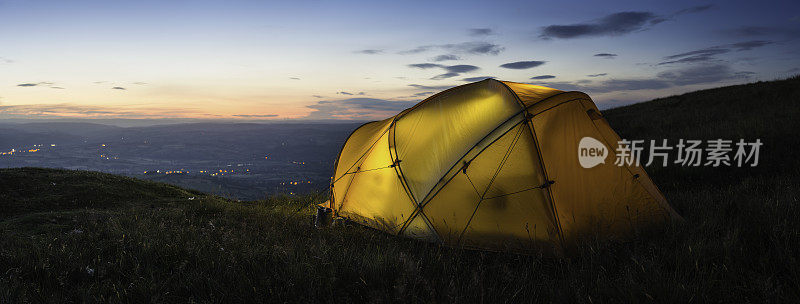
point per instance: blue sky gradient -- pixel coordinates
(370, 59)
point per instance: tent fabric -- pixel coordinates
(493, 165)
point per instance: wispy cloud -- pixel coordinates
(445, 57)
(479, 78)
(256, 115)
(445, 76)
(461, 68)
(69, 110)
(479, 48)
(613, 25)
(294, 78)
(701, 74)
(692, 75)
(451, 70)
(694, 9)
(749, 45)
(420, 94)
(762, 31)
(118, 88)
(543, 77)
(480, 31)
(606, 55)
(369, 52)
(709, 54)
(357, 108)
(520, 65)
(40, 84)
(474, 48)
(426, 87)
(425, 65)
(348, 93)
(597, 75)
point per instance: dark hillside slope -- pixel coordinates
(27, 190)
(769, 111)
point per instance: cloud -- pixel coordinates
(40, 84)
(561, 85)
(762, 31)
(417, 50)
(445, 76)
(709, 54)
(694, 9)
(256, 115)
(612, 25)
(118, 88)
(605, 55)
(479, 78)
(701, 55)
(357, 108)
(632, 84)
(612, 85)
(749, 45)
(451, 70)
(480, 31)
(69, 110)
(597, 75)
(461, 68)
(474, 48)
(543, 77)
(520, 65)
(616, 24)
(425, 65)
(140, 83)
(316, 96)
(347, 93)
(703, 74)
(6, 60)
(700, 74)
(420, 94)
(294, 78)
(369, 52)
(425, 87)
(445, 57)
(744, 74)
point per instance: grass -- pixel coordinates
(76, 236)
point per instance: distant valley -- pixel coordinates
(238, 160)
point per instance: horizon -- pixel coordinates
(148, 122)
(360, 61)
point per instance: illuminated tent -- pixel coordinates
(493, 165)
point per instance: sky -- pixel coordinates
(368, 60)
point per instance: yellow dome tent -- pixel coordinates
(493, 165)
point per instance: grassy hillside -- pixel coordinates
(81, 236)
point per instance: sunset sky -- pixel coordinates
(365, 60)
